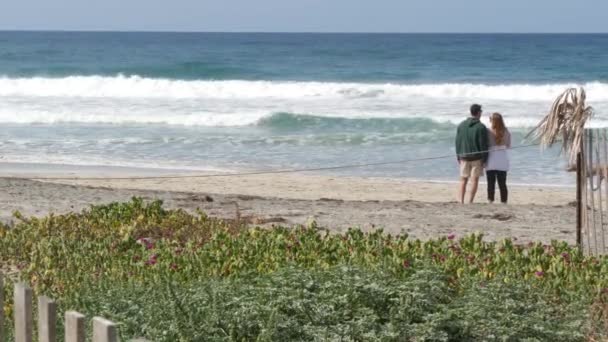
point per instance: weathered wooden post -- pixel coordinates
(2, 338)
(104, 330)
(47, 320)
(74, 327)
(580, 183)
(23, 313)
(592, 173)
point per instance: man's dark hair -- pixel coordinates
(475, 110)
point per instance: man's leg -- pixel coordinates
(474, 184)
(463, 188)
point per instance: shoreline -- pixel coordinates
(296, 185)
(420, 209)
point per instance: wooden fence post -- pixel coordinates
(104, 330)
(580, 182)
(23, 313)
(47, 320)
(74, 327)
(2, 338)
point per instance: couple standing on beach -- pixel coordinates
(479, 148)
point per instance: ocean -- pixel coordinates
(238, 101)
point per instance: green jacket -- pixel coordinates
(472, 140)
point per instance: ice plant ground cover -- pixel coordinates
(169, 275)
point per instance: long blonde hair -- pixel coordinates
(498, 126)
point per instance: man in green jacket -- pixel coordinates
(471, 151)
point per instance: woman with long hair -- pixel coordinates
(498, 159)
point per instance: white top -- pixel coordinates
(498, 158)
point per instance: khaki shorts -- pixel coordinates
(471, 168)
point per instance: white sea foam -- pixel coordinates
(139, 87)
(121, 99)
(82, 160)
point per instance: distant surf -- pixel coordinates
(121, 86)
(134, 99)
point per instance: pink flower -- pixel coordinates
(438, 257)
(152, 260)
(147, 242)
(565, 255)
(451, 236)
(539, 273)
(174, 267)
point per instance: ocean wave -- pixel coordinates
(276, 121)
(437, 126)
(291, 121)
(141, 87)
(273, 105)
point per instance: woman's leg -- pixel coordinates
(502, 184)
(491, 175)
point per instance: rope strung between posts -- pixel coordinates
(269, 172)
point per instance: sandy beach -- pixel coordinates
(420, 209)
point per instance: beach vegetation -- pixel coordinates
(171, 275)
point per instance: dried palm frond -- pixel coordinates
(566, 122)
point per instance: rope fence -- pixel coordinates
(270, 172)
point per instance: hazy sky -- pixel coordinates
(308, 15)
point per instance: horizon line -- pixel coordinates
(301, 32)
